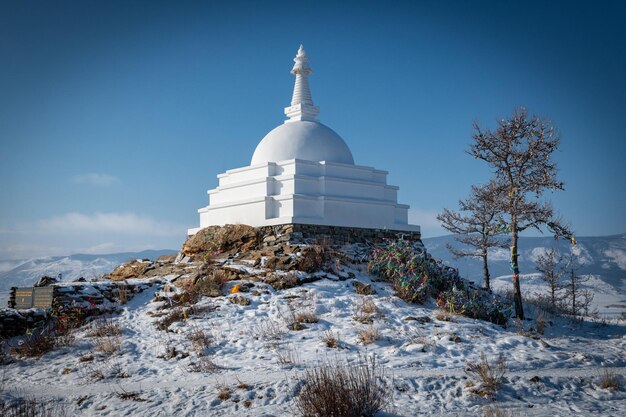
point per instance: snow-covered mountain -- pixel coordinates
(71, 267)
(603, 257)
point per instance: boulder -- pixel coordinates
(133, 269)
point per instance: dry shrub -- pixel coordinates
(31, 407)
(131, 395)
(332, 389)
(443, 315)
(306, 317)
(330, 339)
(609, 380)
(200, 340)
(175, 315)
(269, 331)
(295, 320)
(540, 322)
(286, 354)
(366, 311)
(486, 377)
(34, 344)
(108, 345)
(363, 289)
(104, 327)
(369, 334)
(203, 364)
(223, 392)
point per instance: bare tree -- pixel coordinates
(552, 267)
(578, 299)
(477, 229)
(520, 151)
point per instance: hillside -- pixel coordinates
(240, 341)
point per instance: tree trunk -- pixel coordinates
(519, 308)
(485, 272)
(574, 312)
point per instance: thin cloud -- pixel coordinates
(94, 178)
(89, 233)
(117, 223)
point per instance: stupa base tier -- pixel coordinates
(299, 233)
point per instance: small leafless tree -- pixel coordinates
(479, 228)
(552, 267)
(579, 299)
(520, 152)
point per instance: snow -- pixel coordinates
(423, 360)
(617, 256)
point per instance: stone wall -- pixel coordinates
(91, 298)
(17, 322)
(329, 235)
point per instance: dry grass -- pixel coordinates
(330, 339)
(31, 407)
(609, 380)
(130, 395)
(104, 327)
(269, 331)
(363, 289)
(203, 364)
(486, 377)
(33, 345)
(223, 392)
(175, 315)
(308, 317)
(369, 334)
(333, 389)
(108, 345)
(209, 285)
(200, 340)
(366, 310)
(540, 322)
(286, 354)
(443, 315)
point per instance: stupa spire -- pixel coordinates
(302, 107)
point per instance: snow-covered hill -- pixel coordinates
(229, 358)
(71, 267)
(604, 258)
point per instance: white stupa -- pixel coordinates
(302, 172)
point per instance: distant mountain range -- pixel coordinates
(27, 272)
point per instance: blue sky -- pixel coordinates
(116, 117)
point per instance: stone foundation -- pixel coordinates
(296, 234)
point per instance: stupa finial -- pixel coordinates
(302, 107)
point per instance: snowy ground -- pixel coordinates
(260, 361)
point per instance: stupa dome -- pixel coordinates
(302, 136)
(308, 140)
